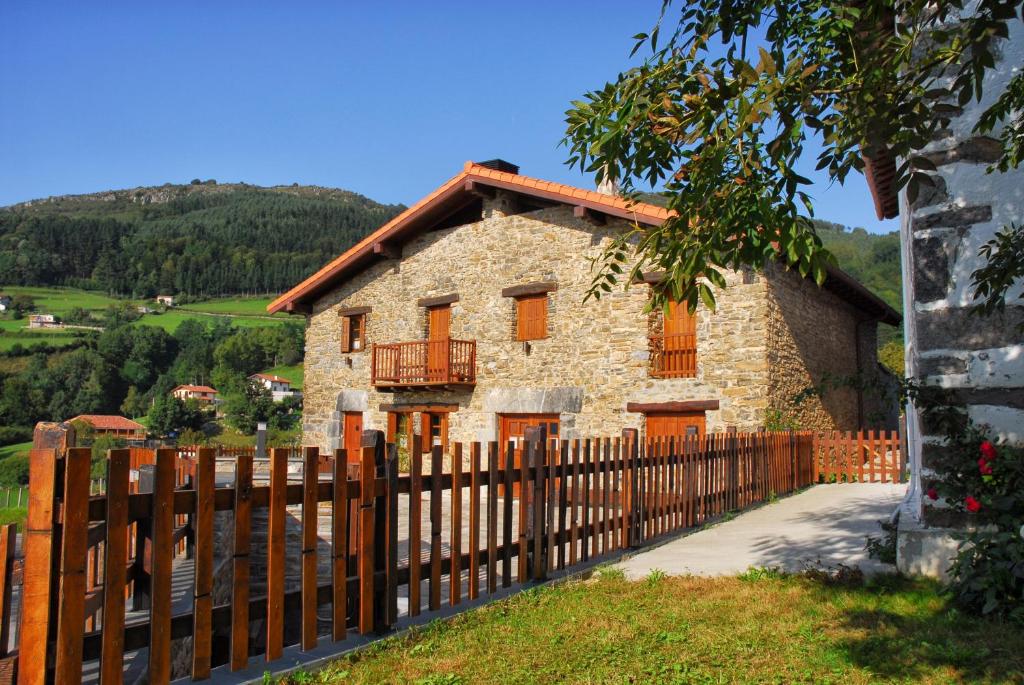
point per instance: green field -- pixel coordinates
(17, 448)
(244, 312)
(292, 373)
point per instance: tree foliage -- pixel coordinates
(723, 112)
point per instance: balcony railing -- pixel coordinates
(424, 363)
(674, 356)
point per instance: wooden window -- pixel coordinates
(434, 430)
(353, 333)
(675, 351)
(532, 317)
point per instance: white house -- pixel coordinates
(279, 387)
(166, 300)
(5, 302)
(42, 321)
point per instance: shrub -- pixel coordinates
(10, 435)
(14, 470)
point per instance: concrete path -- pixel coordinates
(823, 526)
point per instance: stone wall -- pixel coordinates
(813, 336)
(593, 362)
(981, 359)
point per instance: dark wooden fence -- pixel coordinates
(373, 545)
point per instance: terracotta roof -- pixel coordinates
(457, 192)
(195, 388)
(110, 422)
(880, 172)
(438, 204)
(271, 377)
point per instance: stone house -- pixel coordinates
(464, 319)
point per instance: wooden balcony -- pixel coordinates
(424, 364)
(673, 356)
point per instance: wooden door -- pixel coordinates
(513, 428)
(352, 435)
(675, 424)
(439, 320)
(434, 430)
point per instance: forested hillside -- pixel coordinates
(202, 239)
(871, 258)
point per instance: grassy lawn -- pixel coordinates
(62, 300)
(17, 448)
(170, 319)
(14, 515)
(292, 373)
(760, 628)
(28, 338)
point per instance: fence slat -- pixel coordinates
(240, 563)
(391, 536)
(576, 499)
(415, 526)
(524, 499)
(160, 583)
(202, 597)
(506, 521)
(71, 606)
(367, 521)
(310, 521)
(455, 539)
(492, 517)
(339, 547)
(8, 543)
(276, 552)
(436, 461)
(563, 481)
(474, 521)
(39, 552)
(585, 530)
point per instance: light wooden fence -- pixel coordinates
(463, 538)
(865, 457)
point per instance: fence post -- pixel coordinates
(536, 443)
(630, 439)
(142, 563)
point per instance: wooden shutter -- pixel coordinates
(532, 317)
(346, 334)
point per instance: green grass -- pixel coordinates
(172, 318)
(14, 515)
(17, 448)
(251, 306)
(62, 300)
(293, 373)
(762, 628)
(29, 338)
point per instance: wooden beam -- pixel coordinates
(475, 188)
(437, 300)
(536, 288)
(419, 407)
(651, 277)
(354, 311)
(589, 215)
(387, 250)
(298, 308)
(687, 405)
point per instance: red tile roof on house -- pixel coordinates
(195, 388)
(271, 377)
(110, 422)
(439, 203)
(458, 191)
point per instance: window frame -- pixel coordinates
(521, 303)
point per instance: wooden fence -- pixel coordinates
(462, 537)
(865, 457)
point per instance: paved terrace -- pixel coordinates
(825, 525)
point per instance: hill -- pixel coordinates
(201, 240)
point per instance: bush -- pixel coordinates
(14, 470)
(10, 435)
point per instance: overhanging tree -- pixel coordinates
(724, 110)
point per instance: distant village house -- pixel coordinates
(5, 303)
(166, 300)
(279, 387)
(203, 394)
(42, 321)
(113, 426)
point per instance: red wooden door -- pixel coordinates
(352, 435)
(675, 424)
(439, 320)
(513, 428)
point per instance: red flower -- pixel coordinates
(988, 450)
(984, 467)
(933, 494)
(972, 504)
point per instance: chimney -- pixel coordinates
(608, 185)
(500, 165)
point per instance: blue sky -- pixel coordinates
(387, 99)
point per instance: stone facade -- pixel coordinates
(980, 359)
(763, 343)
